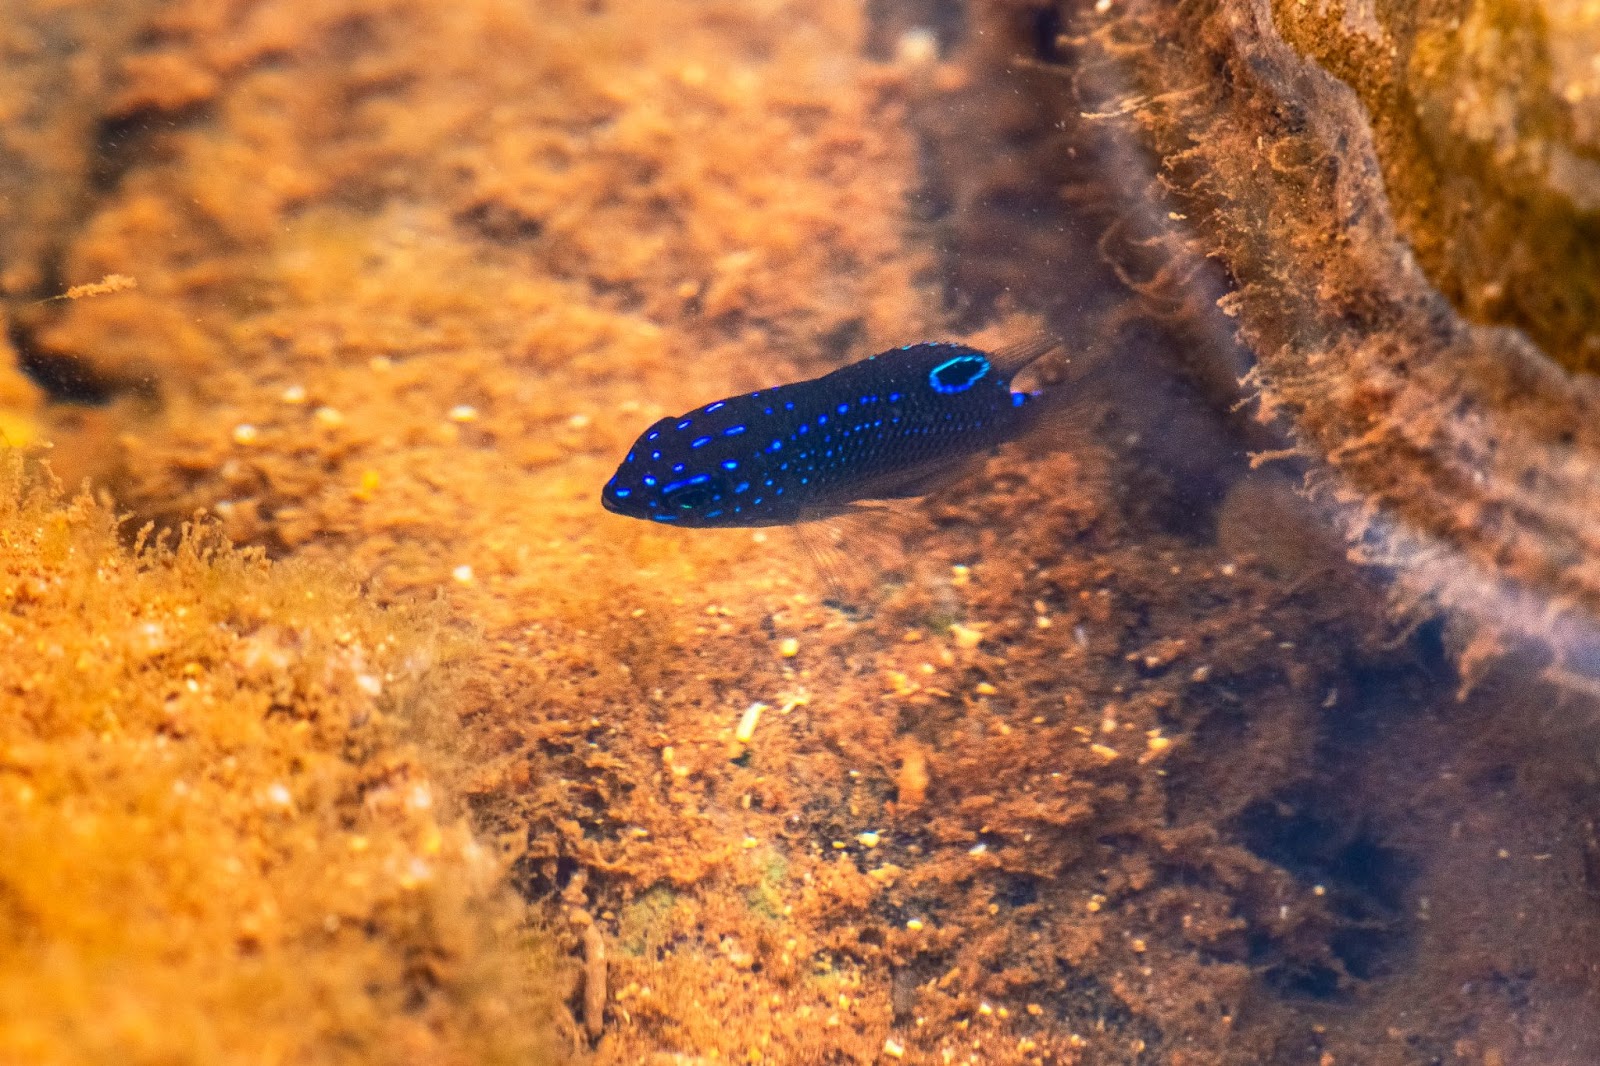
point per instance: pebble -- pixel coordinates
(594, 980)
(747, 722)
(966, 636)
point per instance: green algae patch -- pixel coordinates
(217, 847)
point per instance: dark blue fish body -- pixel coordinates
(887, 426)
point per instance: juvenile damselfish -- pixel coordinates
(893, 425)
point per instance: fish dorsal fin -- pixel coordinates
(1011, 359)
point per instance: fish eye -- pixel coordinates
(692, 493)
(689, 499)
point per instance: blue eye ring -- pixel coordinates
(958, 374)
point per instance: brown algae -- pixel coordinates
(411, 275)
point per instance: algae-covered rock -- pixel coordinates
(1485, 116)
(216, 846)
(57, 66)
(1466, 461)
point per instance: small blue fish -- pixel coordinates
(890, 426)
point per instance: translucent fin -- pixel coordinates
(859, 554)
(1010, 359)
(827, 560)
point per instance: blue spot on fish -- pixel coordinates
(673, 486)
(958, 374)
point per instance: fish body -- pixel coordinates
(891, 425)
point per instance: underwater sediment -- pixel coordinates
(1126, 765)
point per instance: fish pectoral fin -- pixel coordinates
(859, 552)
(854, 578)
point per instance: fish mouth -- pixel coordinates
(610, 500)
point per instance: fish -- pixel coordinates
(891, 426)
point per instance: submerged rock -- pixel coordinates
(1395, 256)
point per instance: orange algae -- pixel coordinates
(414, 338)
(104, 287)
(412, 276)
(217, 844)
(21, 400)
